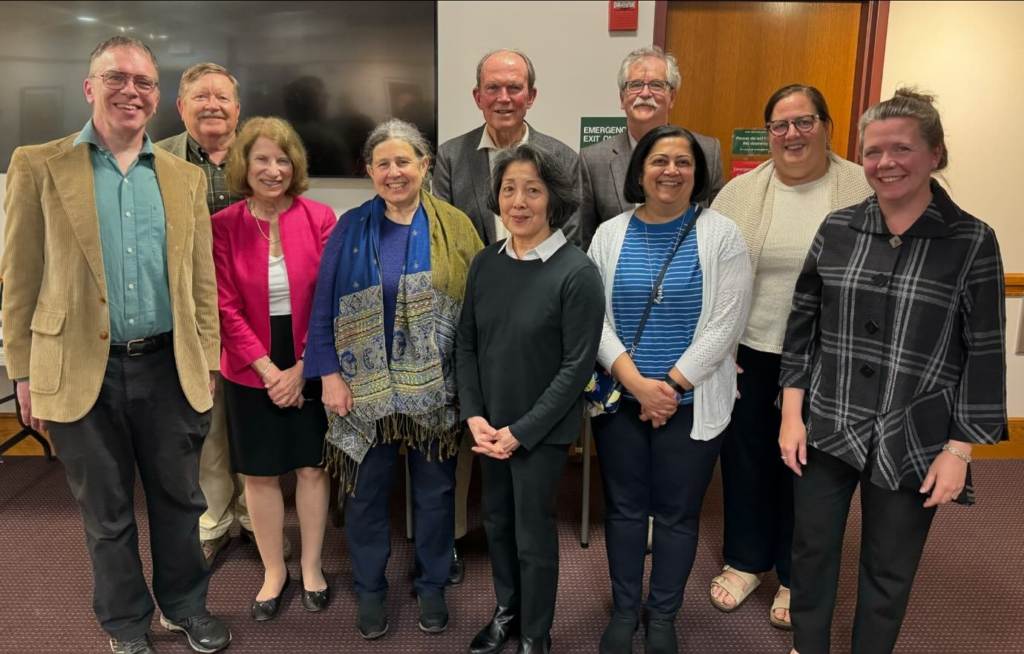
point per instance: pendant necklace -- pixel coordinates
(659, 296)
(252, 210)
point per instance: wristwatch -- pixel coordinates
(676, 386)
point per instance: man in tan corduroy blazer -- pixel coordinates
(111, 329)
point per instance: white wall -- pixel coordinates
(575, 57)
(971, 55)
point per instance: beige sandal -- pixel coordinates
(780, 603)
(738, 594)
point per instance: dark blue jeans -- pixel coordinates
(368, 525)
(652, 472)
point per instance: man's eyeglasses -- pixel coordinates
(658, 86)
(116, 80)
(803, 124)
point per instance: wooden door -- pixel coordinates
(734, 55)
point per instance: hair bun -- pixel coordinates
(914, 93)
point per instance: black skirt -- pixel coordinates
(264, 439)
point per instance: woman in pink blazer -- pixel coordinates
(267, 252)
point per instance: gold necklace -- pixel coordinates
(252, 210)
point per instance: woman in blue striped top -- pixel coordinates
(658, 451)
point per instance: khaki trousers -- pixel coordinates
(216, 480)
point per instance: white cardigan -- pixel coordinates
(708, 363)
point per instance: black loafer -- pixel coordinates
(534, 645)
(316, 600)
(492, 638)
(263, 610)
(661, 637)
(457, 569)
(372, 621)
(433, 617)
(618, 635)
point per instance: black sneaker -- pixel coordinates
(618, 635)
(433, 614)
(371, 621)
(140, 645)
(661, 637)
(205, 633)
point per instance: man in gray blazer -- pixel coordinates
(648, 81)
(504, 92)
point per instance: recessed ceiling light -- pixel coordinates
(86, 19)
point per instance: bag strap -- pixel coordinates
(661, 277)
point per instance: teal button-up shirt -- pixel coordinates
(133, 235)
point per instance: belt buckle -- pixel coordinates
(128, 347)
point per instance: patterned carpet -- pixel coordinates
(968, 596)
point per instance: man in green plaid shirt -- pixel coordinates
(209, 105)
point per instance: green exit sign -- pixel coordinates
(594, 130)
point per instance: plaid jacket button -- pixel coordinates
(867, 370)
(880, 279)
(871, 326)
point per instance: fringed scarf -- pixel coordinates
(413, 399)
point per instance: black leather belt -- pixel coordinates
(140, 346)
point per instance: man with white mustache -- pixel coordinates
(111, 329)
(648, 82)
(504, 91)
(209, 106)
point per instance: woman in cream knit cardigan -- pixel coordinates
(778, 207)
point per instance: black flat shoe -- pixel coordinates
(618, 635)
(316, 600)
(534, 645)
(433, 618)
(661, 637)
(371, 619)
(263, 610)
(492, 638)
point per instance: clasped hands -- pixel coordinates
(658, 400)
(495, 443)
(285, 386)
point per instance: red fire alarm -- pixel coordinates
(623, 15)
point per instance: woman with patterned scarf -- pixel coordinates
(381, 338)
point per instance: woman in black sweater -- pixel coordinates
(527, 341)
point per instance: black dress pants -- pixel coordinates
(652, 472)
(757, 487)
(894, 529)
(143, 419)
(518, 513)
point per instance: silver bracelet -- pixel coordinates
(264, 373)
(955, 452)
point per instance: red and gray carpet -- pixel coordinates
(968, 597)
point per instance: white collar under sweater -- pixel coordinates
(708, 363)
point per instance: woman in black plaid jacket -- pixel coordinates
(893, 367)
